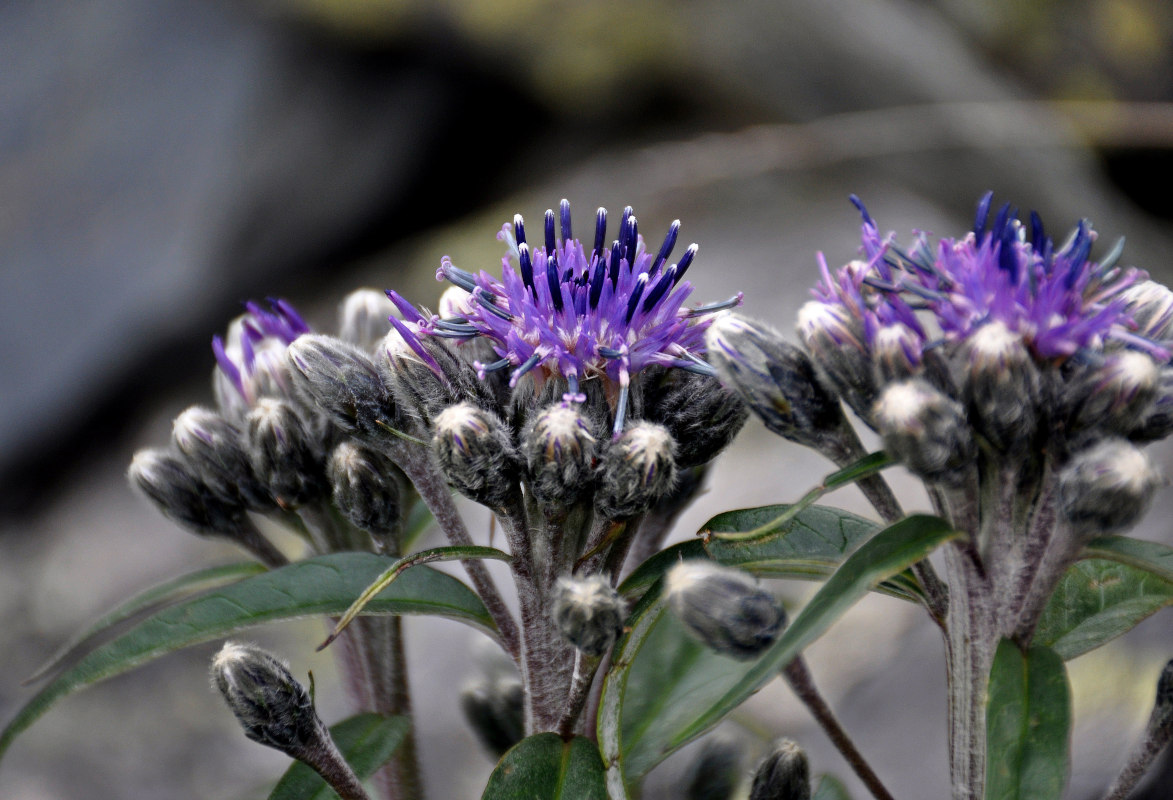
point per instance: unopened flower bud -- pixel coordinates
(424, 387)
(214, 448)
(366, 490)
(271, 706)
(1107, 487)
(783, 775)
(835, 340)
(926, 431)
(1150, 304)
(715, 773)
(636, 471)
(1118, 395)
(1157, 424)
(169, 481)
(475, 452)
(724, 608)
(283, 455)
(589, 613)
(362, 318)
(1001, 386)
(775, 379)
(495, 709)
(897, 351)
(559, 451)
(701, 414)
(342, 382)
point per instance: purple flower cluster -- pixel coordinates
(1057, 299)
(250, 362)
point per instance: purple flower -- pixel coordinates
(1057, 299)
(563, 310)
(250, 362)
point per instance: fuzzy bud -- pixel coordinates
(342, 382)
(495, 709)
(589, 613)
(715, 773)
(636, 471)
(283, 455)
(559, 451)
(362, 318)
(701, 414)
(1002, 386)
(366, 490)
(926, 431)
(783, 775)
(1150, 304)
(897, 351)
(425, 390)
(214, 449)
(272, 707)
(724, 608)
(169, 481)
(775, 379)
(476, 454)
(1118, 395)
(1107, 487)
(835, 340)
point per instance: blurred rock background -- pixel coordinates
(162, 161)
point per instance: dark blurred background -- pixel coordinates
(161, 161)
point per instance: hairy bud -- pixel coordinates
(836, 343)
(701, 414)
(724, 608)
(1107, 487)
(589, 613)
(366, 490)
(1150, 304)
(283, 454)
(636, 471)
(426, 389)
(271, 706)
(926, 431)
(783, 775)
(774, 378)
(897, 352)
(214, 449)
(716, 771)
(475, 452)
(495, 709)
(1118, 395)
(362, 318)
(169, 481)
(1001, 386)
(342, 382)
(559, 448)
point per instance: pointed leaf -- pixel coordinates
(152, 598)
(366, 741)
(1028, 725)
(1152, 557)
(322, 585)
(1095, 602)
(543, 767)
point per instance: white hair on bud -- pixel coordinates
(901, 405)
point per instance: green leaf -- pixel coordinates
(675, 707)
(830, 788)
(419, 520)
(543, 767)
(380, 584)
(1096, 601)
(1152, 557)
(367, 742)
(322, 585)
(152, 598)
(1028, 723)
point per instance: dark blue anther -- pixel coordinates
(983, 214)
(526, 366)
(564, 211)
(1001, 221)
(519, 228)
(1008, 254)
(1081, 247)
(493, 367)
(600, 233)
(711, 307)
(527, 266)
(568, 274)
(457, 325)
(552, 280)
(636, 292)
(597, 278)
(628, 237)
(487, 304)
(667, 280)
(855, 201)
(1036, 231)
(666, 247)
(616, 257)
(551, 243)
(697, 368)
(686, 261)
(1109, 260)
(609, 352)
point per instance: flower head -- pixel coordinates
(581, 314)
(250, 362)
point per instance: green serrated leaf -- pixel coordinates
(367, 742)
(664, 727)
(830, 788)
(1095, 602)
(156, 596)
(323, 585)
(1152, 557)
(544, 767)
(1028, 725)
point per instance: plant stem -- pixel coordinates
(799, 679)
(1155, 740)
(585, 668)
(252, 540)
(323, 758)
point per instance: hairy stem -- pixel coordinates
(323, 758)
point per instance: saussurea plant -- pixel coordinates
(580, 400)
